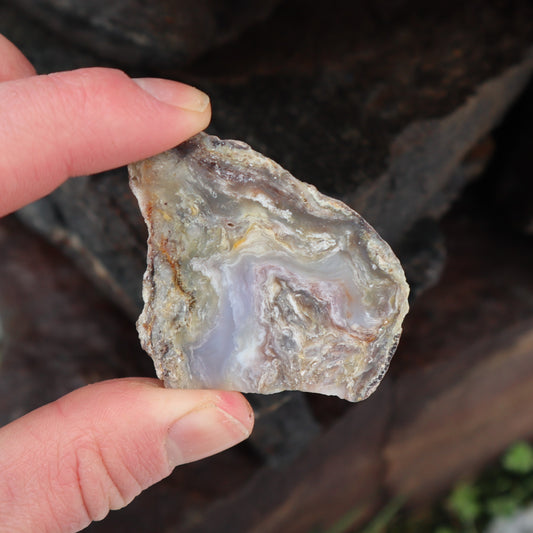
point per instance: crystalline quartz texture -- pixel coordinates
(259, 283)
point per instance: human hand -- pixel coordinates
(95, 449)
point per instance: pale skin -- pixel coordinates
(94, 450)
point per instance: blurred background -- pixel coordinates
(420, 116)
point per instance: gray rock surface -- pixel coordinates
(57, 333)
(109, 247)
(514, 160)
(159, 32)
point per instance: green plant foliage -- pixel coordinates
(519, 458)
(464, 504)
(502, 505)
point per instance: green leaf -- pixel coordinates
(518, 459)
(463, 503)
(502, 506)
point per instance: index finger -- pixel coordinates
(86, 121)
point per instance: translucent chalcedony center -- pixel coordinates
(259, 295)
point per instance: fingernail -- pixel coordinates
(203, 432)
(175, 93)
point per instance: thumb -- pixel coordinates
(71, 461)
(13, 64)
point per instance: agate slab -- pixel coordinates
(257, 282)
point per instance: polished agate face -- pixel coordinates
(257, 282)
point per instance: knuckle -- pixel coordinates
(90, 472)
(71, 93)
(84, 90)
(102, 480)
